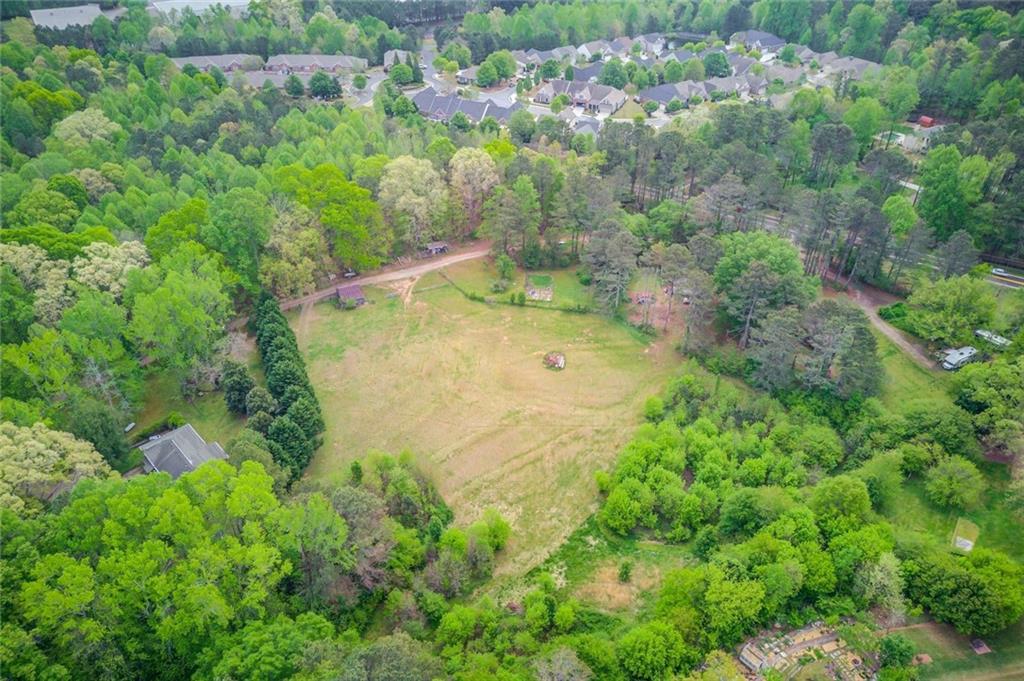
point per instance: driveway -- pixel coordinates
(393, 273)
(868, 300)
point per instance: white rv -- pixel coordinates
(957, 358)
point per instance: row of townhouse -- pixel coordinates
(745, 86)
(280, 65)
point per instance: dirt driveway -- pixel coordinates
(869, 300)
(394, 273)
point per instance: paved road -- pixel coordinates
(393, 273)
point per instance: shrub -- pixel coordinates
(257, 400)
(584, 276)
(625, 571)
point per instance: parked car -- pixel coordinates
(1000, 271)
(349, 273)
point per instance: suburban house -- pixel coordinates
(311, 63)
(392, 57)
(585, 125)
(681, 56)
(176, 8)
(351, 295)
(591, 96)
(850, 67)
(620, 46)
(593, 50)
(787, 74)
(466, 76)
(60, 18)
(438, 107)
(178, 452)
(740, 65)
(225, 62)
(590, 72)
(652, 43)
(532, 57)
(758, 40)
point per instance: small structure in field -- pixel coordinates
(436, 247)
(643, 298)
(555, 361)
(965, 535)
(540, 287)
(980, 647)
(351, 296)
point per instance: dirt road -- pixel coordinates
(393, 273)
(869, 301)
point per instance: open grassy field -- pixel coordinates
(904, 379)
(954, 660)
(462, 385)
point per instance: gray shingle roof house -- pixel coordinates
(758, 40)
(594, 47)
(225, 62)
(591, 96)
(309, 63)
(592, 72)
(438, 107)
(178, 452)
(60, 18)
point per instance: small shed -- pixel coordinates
(437, 247)
(351, 295)
(926, 121)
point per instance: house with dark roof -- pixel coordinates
(178, 452)
(466, 76)
(590, 72)
(591, 96)
(435, 106)
(758, 40)
(311, 63)
(585, 125)
(225, 62)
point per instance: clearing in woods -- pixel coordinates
(462, 385)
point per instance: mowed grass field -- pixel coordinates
(462, 385)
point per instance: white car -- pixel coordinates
(1000, 271)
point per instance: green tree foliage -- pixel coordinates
(954, 482)
(948, 311)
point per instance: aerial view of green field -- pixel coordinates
(462, 385)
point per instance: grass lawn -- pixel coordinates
(953, 659)
(905, 380)
(462, 385)
(629, 111)
(207, 414)
(996, 527)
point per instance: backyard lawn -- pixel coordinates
(462, 385)
(905, 380)
(207, 414)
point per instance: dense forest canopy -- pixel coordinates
(153, 216)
